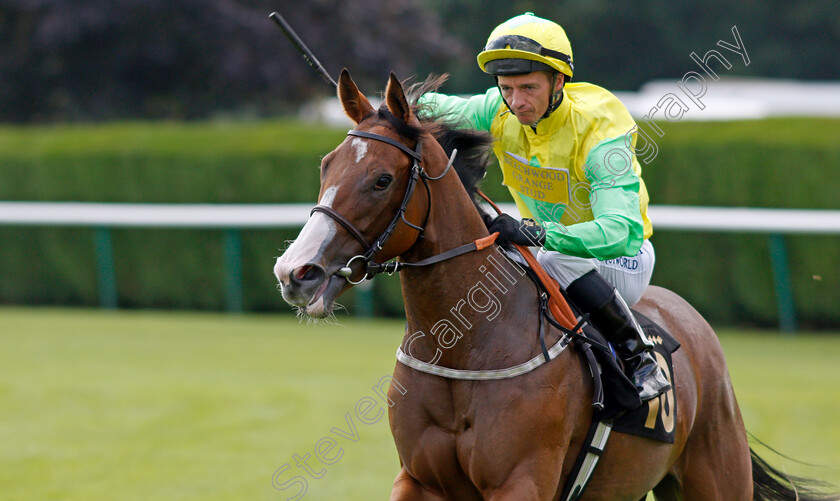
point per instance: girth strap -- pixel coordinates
(482, 375)
(587, 460)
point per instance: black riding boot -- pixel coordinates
(612, 317)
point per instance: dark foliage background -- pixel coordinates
(621, 45)
(188, 59)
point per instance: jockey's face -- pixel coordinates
(528, 95)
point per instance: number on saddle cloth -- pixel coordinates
(623, 411)
(654, 419)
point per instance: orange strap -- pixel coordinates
(483, 243)
(556, 301)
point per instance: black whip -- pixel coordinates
(304, 50)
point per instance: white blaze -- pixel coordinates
(318, 230)
(361, 148)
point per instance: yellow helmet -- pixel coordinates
(524, 44)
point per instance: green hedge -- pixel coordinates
(768, 163)
(275, 162)
(785, 163)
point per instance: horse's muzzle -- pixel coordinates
(301, 283)
(309, 287)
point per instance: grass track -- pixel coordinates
(173, 406)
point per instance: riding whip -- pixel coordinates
(304, 50)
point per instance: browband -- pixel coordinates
(413, 154)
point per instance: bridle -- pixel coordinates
(566, 320)
(416, 173)
(391, 267)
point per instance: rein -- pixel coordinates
(565, 318)
(556, 302)
(417, 172)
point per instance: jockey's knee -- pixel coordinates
(564, 268)
(631, 293)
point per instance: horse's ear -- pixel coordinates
(397, 102)
(355, 104)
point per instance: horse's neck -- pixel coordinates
(478, 305)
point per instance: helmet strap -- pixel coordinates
(496, 77)
(555, 98)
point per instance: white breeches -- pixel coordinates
(629, 275)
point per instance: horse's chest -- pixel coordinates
(434, 445)
(480, 433)
(469, 428)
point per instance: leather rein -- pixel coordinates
(391, 267)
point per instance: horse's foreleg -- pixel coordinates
(407, 488)
(524, 490)
(526, 484)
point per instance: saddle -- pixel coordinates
(614, 395)
(615, 398)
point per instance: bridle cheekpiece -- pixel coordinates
(417, 172)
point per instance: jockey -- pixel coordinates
(567, 155)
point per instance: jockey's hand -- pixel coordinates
(487, 218)
(525, 232)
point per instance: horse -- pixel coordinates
(387, 191)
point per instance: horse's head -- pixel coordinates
(371, 206)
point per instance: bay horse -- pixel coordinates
(389, 183)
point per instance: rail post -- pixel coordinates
(232, 243)
(781, 279)
(106, 278)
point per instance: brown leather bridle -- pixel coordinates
(391, 267)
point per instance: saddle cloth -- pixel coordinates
(653, 419)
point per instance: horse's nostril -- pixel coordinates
(309, 273)
(300, 272)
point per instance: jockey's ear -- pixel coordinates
(355, 104)
(561, 80)
(397, 102)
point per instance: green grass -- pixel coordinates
(788, 390)
(172, 406)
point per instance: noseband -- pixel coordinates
(417, 172)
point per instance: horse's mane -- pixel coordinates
(474, 147)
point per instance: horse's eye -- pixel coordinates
(383, 182)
